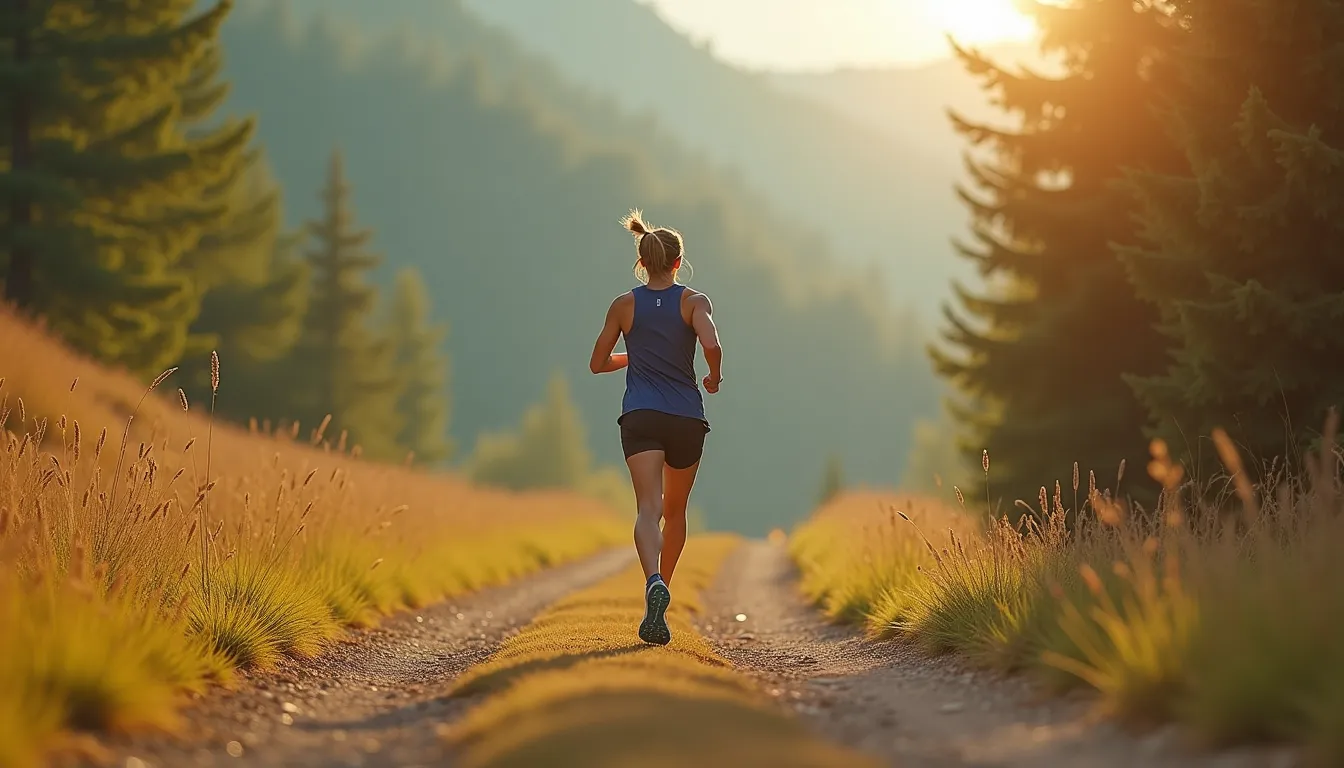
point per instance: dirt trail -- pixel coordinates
(899, 705)
(377, 699)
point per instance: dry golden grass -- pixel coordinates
(858, 555)
(1222, 611)
(148, 556)
(578, 687)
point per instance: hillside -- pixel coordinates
(510, 210)
(909, 104)
(123, 600)
(875, 200)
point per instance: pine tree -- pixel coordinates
(105, 191)
(254, 289)
(421, 371)
(933, 462)
(550, 450)
(832, 481)
(1040, 354)
(252, 284)
(1242, 252)
(339, 367)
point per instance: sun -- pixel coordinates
(981, 21)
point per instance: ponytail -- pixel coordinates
(658, 248)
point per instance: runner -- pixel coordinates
(663, 424)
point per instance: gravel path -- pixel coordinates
(376, 699)
(908, 709)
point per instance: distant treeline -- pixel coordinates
(1160, 234)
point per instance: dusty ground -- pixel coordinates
(896, 703)
(377, 699)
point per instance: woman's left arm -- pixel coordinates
(603, 360)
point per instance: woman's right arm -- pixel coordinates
(603, 359)
(702, 321)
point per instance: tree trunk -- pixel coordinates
(19, 281)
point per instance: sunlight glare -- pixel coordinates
(981, 21)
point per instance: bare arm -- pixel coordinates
(702, 321)
(603, 361)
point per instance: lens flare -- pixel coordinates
(981, 21)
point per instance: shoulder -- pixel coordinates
(624, 301)
(696, 300)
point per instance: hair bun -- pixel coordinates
(635, 222)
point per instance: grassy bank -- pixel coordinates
(148, 552)
(578, 687)
(1224, 615)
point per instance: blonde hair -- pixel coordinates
(658, 247)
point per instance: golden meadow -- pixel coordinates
(1222, 609)
(148, 552)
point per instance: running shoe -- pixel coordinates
(654, 627)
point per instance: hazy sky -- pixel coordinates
(820, 34)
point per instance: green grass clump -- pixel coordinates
(1221, 613)
(72, 659)
(578, 688)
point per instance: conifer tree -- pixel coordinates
(550, 449)
(340, 367)
(832, 481)
(1242, 252)
(420, 367)
(256, 295)
(251, 283)
(1039, 355)
(105, 192)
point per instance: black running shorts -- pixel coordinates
(680, 438)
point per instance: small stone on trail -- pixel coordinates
(290, 706)
(419, 619)
(461, 616)
(952, 708)
(287, 719)
(741, 617)
(746, 636)
(234, 749)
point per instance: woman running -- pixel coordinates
(663, 424)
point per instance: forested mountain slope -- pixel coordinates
(875, 199)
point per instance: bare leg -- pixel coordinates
(646, 474)
(676, 494)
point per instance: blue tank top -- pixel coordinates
(660, 375)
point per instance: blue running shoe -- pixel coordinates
(654, 627)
